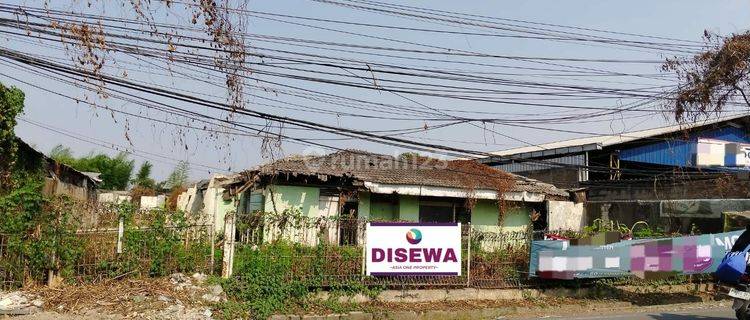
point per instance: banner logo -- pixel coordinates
(414, 236)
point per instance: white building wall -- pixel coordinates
(150, 202)
(565, 215)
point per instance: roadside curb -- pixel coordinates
(484, 313)
(471, 294)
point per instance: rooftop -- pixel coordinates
(422, 171)
(600, 141)
(58, 168)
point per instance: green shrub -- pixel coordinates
(39, 230)
(281, 276)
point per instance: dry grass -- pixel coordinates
(118, 296)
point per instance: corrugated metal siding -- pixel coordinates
(517, 167)
(731, 134)
(679, 152)
(674, 153)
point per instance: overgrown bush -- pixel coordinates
(39, 230)
(155, 245)
(281, 276)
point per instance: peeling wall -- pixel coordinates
(565, 215)
(150, 202)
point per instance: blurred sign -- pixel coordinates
(645, 258)
(710, 152)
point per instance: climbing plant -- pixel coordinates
(40, 230)
(11, 105)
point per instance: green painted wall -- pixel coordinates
(222, 208)
(363, 205)
(383, 211)
(516, 219)
(485, 212)
(408, 208)
(285, 197)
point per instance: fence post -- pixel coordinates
(468, 257)
(228, 259)
(120, 232)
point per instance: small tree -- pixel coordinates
(179, 176)
(115, 171)
(62, 154)
(143, 177)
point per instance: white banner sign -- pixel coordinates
(413, 249)
(711, 152)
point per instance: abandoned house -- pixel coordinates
(367, 186)
(60, 179)
(207, 199)
(676, 177)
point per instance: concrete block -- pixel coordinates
(397, 315)
(358, 315)
(444, 315)
(462, 294)
(357, 298)
(411, 296)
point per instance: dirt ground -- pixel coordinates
(176, 297)
(191, 297)
(589, 309)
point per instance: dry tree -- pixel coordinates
(92, 32)
(713, 80)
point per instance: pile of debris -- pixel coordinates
(176, 297)
(18, 303)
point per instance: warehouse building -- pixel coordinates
(678, 177)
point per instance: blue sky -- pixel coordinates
(163, 146)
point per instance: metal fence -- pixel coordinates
(329, 253)
(109, 253)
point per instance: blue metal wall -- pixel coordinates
(681, 150)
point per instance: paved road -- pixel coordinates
(695, 312)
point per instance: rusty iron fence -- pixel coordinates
(109, 248)
(329, 253)
(108, 254)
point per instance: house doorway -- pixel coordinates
(349, 224)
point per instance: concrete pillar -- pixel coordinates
(228, 260)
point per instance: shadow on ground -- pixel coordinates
(670, 316)
(648, 298)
